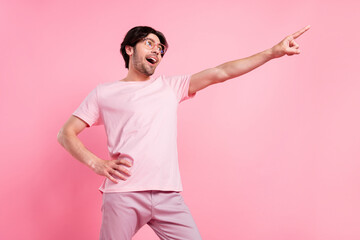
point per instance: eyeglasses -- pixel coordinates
(150, 44)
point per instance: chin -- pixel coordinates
(149, 73)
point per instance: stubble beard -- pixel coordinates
(142, 67)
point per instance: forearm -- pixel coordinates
(77, 149)
(239, 67)
(236, 68)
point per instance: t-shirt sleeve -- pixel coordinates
(89, 110)
(180, 85)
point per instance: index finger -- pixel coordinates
(300, 32)
(123, 161)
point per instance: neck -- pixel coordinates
(134, 75)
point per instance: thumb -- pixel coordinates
(292, 51)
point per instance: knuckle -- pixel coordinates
(117, 167)
(120, 176)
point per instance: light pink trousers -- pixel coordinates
(124, 213)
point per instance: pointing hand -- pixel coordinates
(288, 45)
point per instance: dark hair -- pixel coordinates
(135, 35)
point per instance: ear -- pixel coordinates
(129, 50)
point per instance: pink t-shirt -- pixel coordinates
(140, 120)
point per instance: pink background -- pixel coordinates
(273, 154)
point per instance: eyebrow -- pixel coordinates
(153, 40)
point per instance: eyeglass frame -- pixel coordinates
(155, 44)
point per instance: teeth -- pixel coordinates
(152, 60)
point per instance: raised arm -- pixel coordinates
(67, 137)
(236, 68)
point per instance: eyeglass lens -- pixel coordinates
(151, 44)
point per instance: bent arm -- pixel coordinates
(68, 138)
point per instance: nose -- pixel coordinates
(156, 50)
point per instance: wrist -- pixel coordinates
(270, 53)
(93, 162)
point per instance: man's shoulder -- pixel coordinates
(107, 84)
(104, 86)
(174, 77)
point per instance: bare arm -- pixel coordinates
(68, 138)
(239, 67)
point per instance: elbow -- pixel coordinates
(60, 137)
(220, 75)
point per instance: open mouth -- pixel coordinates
(151, 60)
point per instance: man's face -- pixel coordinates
(143, 59)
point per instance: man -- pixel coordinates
(142, 181)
